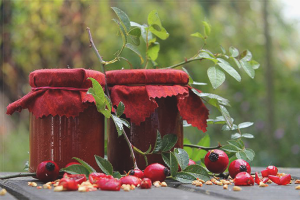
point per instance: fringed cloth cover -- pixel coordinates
(60, 92)
(137, 89)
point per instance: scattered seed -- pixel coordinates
(47, 186)
(157, 184)
(39, 187)
(132, 187)
(58, 188)
(269, 181)
(297, 181)
(202, 181)
(32, 184)
(297, 187)
(126, 187)
(3, 192)
(164, 184)
(225, 187)
(208, 183)
(261, 184)
(236, 188)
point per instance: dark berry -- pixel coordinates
(156, 172)
(136, 172)
(47, 171)
(238, 166)
(216, 161)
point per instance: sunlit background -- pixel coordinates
(51, 34)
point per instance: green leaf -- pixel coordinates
(123, 18)
(235, 136)
(241, 143)
(135, 50)
(216, 76)
(247, 135)
(241, 155)
(227, 128)
(155, 25)
(103, 103)
(207, 56)
(122, 31)
(245, 125)
(246, 55)
(153, 50)
(234, 52)
(237, 62)
(76, 169)
(166, 158)
(220, 99)
(191, 81)
(148, 150)
(158, 143)
(198, 83)
(120, 109)
(135, 35)
(182, 157)
(104, 165)
(254, 64)
(85, 164)
(230, 148)
(226, 115)
(247, 68)
(198, 35)
(218, 120)
(223, 50)
(184, 177)
(144, 29)
(117, 175)
(198, 172)
(119, 122)
(229, 69)
(173, 164)
(249, 154)
(207, 28)
(236, 143)
(168, 142)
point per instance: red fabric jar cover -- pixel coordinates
(137, 89)
(60, 92)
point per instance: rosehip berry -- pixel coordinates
(243, 179)
(156, 172)
(146, 183)
(47, 171)
(216, 161)
(111, 184)
(272, 170)
(68, 184)
(286, 179)
(72, 163)
(130, 180)
(78, 178)
(136, 172)
(238, 166)
(94, 177)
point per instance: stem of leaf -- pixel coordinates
(184, 62)
(18, 175)
(107, 91)
(203, 148)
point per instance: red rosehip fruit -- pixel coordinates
(191, 162)
(146, 183)
(243, 179)
(72, 163)
(216, 161)
(156, 172)
(47, 171)
(136, 172)
(111, 184)
(68, 184)
(272, 170)
(94, 177)
(238, 166)
(130, 180)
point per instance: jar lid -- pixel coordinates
(60, 92)
(147, 76)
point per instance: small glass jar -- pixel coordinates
(64, 121)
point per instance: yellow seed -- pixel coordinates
(58, 188)
(82, 189)
(220, 183)
(297, 187)
(3, 192)
(269, 181)
(236, 188)
(132, 187)
(195, 182)
(225, 187)
(126, 187)
(297, 181)
(199, 184)
(208, 183)
(163, 184)
(157, 184)
(202, 181)
(39, 187)
(261, 184)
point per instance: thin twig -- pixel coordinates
(184, 62)
(17, 175)
(203, 148)
(107, 91)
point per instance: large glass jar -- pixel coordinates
(155, 100)
(64, 121)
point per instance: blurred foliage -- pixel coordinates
(51, 34)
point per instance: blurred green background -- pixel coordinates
(51, 34)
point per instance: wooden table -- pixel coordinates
(18, 189)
